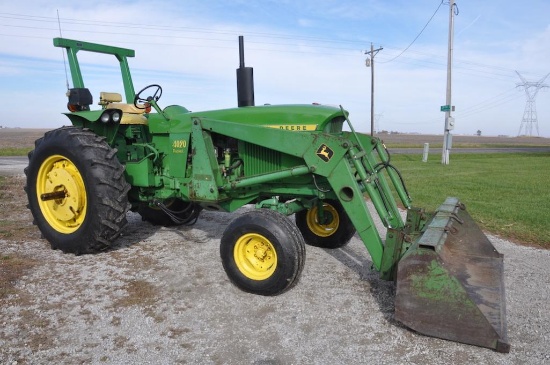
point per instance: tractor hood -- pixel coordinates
(289, 117)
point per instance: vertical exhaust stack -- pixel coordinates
(245, 80)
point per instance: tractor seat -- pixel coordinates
(130, 114)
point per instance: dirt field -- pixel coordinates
(19, 137)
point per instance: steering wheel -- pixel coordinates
(156, 96)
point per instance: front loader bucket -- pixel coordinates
(450, 282)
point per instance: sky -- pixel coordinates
(302, 51)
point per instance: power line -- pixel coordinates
(463, 66)
(489, 106)
(414, 40)
(488, 103)
(337, 51)
(178, 29)
(485, 105)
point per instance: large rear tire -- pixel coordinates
(335, 231)
(263, 252)
(76, 190)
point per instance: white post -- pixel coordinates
(426, 151)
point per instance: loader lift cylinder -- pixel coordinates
(245, 80)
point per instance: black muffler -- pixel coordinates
(245, 80)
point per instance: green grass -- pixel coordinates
(507, 194)
(18, 151)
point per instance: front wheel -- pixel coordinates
(263, 252)
(76, 190)
(330, 228)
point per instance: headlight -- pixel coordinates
(111, 116)
(105, 117)
(115, 117)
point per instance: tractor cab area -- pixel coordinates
(113, 109)
(131, 113)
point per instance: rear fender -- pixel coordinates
(91, 120)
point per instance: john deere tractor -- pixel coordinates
(307, 178)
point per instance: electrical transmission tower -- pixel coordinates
(530, 114)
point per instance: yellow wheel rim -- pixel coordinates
(323, 230)
(67, 211)
(255, 256)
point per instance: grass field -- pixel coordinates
(507, 194)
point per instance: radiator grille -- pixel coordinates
(259, 160)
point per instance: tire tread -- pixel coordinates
(103, 170)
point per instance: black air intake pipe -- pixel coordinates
(245, 80)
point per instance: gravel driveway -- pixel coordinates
(162, 297)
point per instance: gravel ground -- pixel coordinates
(162, 297)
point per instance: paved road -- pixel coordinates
(13, 165)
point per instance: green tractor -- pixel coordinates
(168, 164)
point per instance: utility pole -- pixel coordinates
(447, 108)
(370, 63)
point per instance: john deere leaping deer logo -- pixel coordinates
(325, 153)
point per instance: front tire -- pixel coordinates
(335, 231)
(76, 190)
(263, 252)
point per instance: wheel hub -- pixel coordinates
(255, 256)
(62, 195)
(326, 226)
(261, 251)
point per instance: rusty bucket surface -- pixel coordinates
(450, 282)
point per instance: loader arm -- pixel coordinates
(350, 171)
(449, 276)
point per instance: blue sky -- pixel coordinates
(302, 52)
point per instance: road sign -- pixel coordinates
(445, 108)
